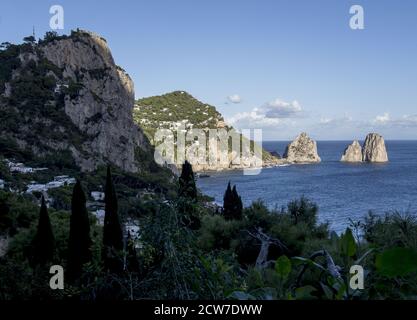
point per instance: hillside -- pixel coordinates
(175, 107)
(65, 114)
(179, 108)
(64, 97)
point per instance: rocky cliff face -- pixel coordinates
(179, 110)
(80, 101)
(353, 153)
(374, 149)
(302, 150)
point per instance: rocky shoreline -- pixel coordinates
(303, 150)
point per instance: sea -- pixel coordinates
(342, 191)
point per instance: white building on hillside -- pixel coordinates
(97, 195)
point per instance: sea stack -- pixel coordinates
(374, 149)
(353, 153)
(302, 150)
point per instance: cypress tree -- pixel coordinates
(79, 251)
(112, 230)
(44, 241)
(232, 204)
(237, 204)
(188, 188)
(228, 203)
(187, 197)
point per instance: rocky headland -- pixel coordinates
(180, 111)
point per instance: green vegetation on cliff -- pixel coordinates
(31, 108)
(176, 107)
(181, 110)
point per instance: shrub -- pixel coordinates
(217, 233)
(303, 210)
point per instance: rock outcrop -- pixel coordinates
(374, 149)
(353, 153)
(81, 103)
(180, 111)
(302, 150)
(105, 103)
(275, 154)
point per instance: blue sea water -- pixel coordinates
(341, 190)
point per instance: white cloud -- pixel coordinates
(408, 121)
(281, 109)
(234, 98)
(336, 122)
(269, 115)
(381, 123)
(325, 120)
(252, 119)
(385, 118)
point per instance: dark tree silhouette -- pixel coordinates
(188, 187)
(44, 241)
(79, 247)
(237, 204)
(29, 39)
(112, 230)
(232, 204)
(228, 203)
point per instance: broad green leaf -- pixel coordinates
(396, 262)
(327, 291)
(283, 267)
(300, 260)
(359, 261)
(341, 291)
(305, 293)
(348, 244)
(297, 261)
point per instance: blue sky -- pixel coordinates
(293, 65)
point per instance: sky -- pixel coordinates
(283, 66)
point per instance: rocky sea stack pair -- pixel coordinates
(373, 150)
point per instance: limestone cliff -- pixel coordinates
(302, 150)
(353, 153)
(179, 110)
(66, 93)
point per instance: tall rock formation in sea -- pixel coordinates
(373, 150)
(302, 150)
(353, 153)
